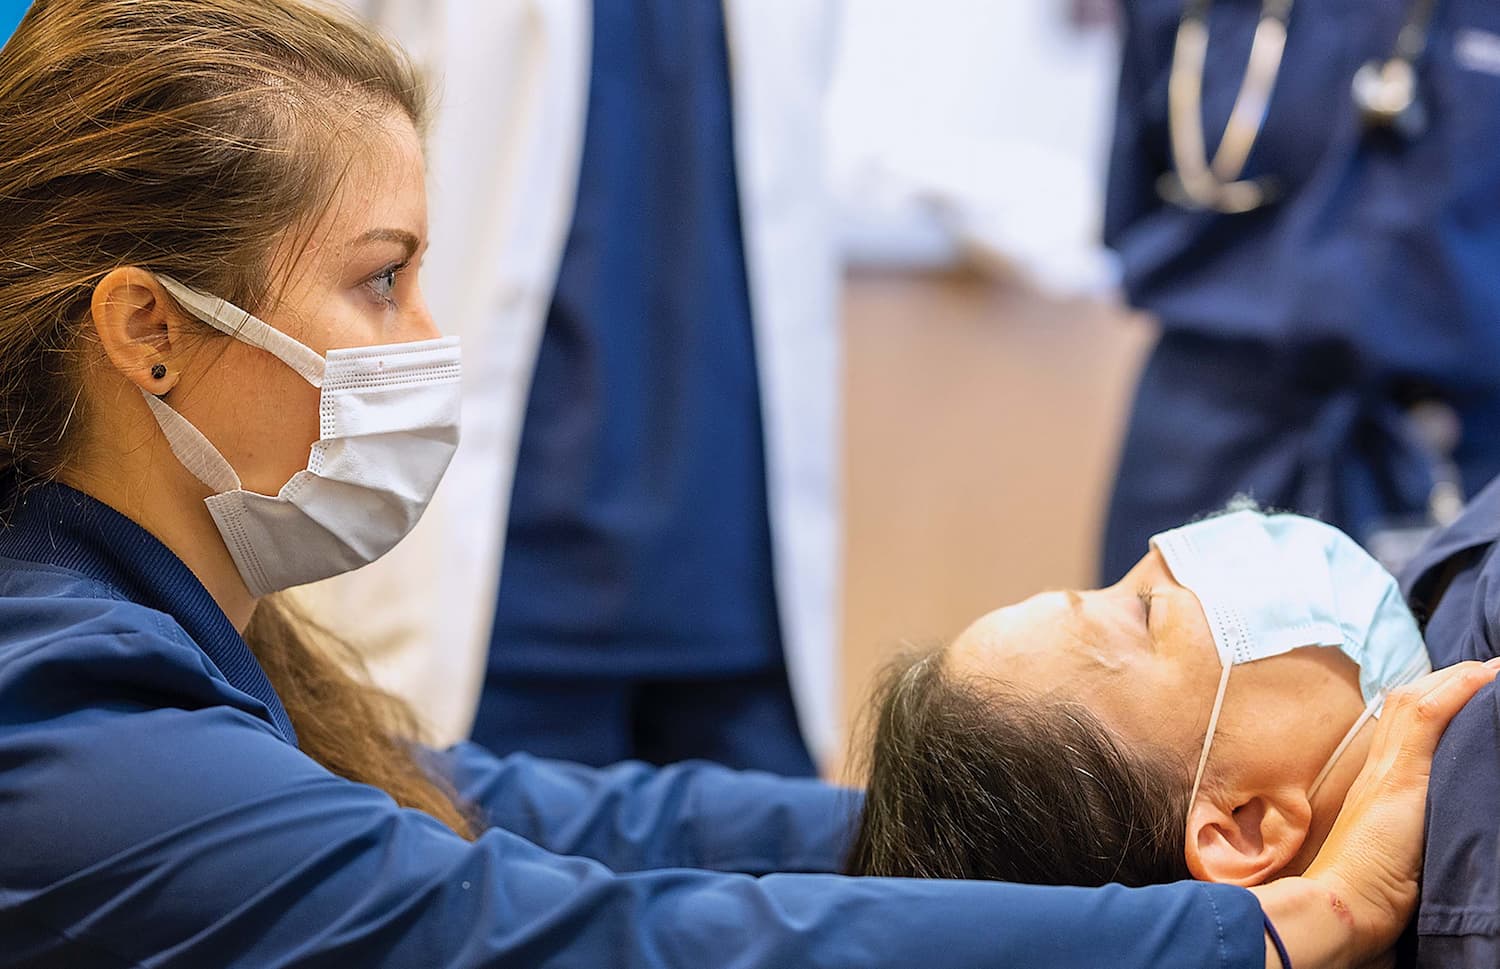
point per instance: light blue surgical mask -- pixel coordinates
(1271, 583)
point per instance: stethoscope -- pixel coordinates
(1385, 91)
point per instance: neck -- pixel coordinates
(1330, 797)
(149, 486)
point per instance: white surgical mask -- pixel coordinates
(1270, 584)
(388, 426)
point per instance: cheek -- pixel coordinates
(1158, 706)
(326, 316)
(281, 429)
(1187, 643)
(349, 319)
(260, 414)
(1186, 682)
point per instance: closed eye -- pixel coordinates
(1145, 595)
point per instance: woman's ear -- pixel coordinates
(137, 324)
(1246, 840)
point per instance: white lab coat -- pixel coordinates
(503, 164)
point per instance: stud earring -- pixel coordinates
(158, 371)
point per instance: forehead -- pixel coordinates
(384, 179)
(1037, 643)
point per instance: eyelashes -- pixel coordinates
(1145, 594)
(383, 283)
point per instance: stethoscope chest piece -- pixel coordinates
(1386, 94)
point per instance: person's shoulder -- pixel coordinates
(1460, 542)
(1461, 872)
(1447, 588)
(44, 603)
(68, 642)
(115, 728)
(1457, 598)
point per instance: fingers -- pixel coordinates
(1417, 714)
(1373, 855)
(1449, 693)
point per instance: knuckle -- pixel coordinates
(1406, 695)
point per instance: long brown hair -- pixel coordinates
(187, 137)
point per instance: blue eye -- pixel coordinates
(383, 283)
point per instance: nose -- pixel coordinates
(420, 325)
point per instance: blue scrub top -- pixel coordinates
(639, 542)
(1454, 585)
(157, 812)
(11, 12)
(1386, 250)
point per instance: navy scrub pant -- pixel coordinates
(746, 722)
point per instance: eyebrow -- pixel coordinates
(401, 237)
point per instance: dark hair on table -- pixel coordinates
(970, 779)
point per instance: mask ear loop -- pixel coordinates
(1415, 670)
(1208, 740)
(195, 451)
(1371, 710)
(244, 326)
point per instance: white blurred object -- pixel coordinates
(970, 130)
(503, 161)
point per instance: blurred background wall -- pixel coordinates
(989, 364)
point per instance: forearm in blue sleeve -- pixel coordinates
(937, 924)
(632, 816)
(223, 846)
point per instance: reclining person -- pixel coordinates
(1202, 718)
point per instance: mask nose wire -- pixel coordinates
(1208, 739)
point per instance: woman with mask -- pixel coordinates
(1204, 718)
(218, 380)
(632, 237)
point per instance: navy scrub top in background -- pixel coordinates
(639, 544)
(157, 812)
(1454, 586)
(1386, 247)
(1293, 334)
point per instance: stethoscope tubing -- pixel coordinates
(1384, 90)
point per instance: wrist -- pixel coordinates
(1314, 922)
